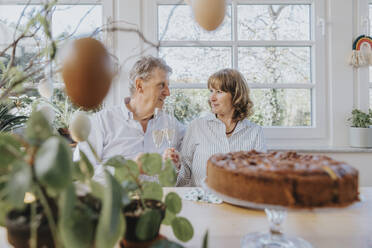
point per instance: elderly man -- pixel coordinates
(127, 129)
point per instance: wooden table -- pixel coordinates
(349, 227)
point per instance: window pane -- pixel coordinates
(274, 22)
(275, 64)
(282, 107)
(188, 103)
(195, 64)
(9, 17)
(182, 26)
(84, 19)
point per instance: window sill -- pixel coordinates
(321, 149)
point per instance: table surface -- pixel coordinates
(227, 224)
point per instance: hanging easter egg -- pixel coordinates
(87, 72)
(209, 14)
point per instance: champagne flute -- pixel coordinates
(157, 134)
(170, 125)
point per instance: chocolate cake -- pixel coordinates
(283, 178)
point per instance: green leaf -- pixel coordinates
(116, 161)
(166, 244)
(205, 240)
(148, 225)
(77, 231)
(152, 190)
(76, 172)
(98, 190)
(19, 184)
(4, 210)
(173, 202)
(169, 216)
(67, 202)
(111, 224)
(168, 176)
(151, 163)
(9, 150)
(85, 165)
(53, 164)
(182, 229)
(129, 171)
(38, 128)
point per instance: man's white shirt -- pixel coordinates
(115, 132)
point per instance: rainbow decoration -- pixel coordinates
(360, 41)
(362, 51)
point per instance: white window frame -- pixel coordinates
(313, 134)
(363, 86)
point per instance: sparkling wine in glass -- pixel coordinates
(157, 137)
(169, 125)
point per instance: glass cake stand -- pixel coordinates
(275, 214)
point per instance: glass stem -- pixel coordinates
(276, 218)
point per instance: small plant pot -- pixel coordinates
(17, 224)
(132, 214)
(360, 137)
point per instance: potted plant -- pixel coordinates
(40, 164)
(9, 121)
(360, 130)
(148, 207)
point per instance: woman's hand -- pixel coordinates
(173, 155)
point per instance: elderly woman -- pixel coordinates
(226, 129)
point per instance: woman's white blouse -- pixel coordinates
(205, 137)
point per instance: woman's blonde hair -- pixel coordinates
(232, 81)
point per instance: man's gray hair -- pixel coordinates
(143, 69)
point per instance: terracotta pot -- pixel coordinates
(18, 226)
(132, 220)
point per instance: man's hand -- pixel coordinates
(173, 155)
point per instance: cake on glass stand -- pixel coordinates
(278, 181)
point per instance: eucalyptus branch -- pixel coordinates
(19, 81)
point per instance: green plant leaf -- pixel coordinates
(128, 171)
(66, 202)
(205, 240)
(168, 176)
(4, 209)
(151, 163)
(148, 225)
(9, 150)
(111, 224)
(53, 164)
(182, 229)
(152, 190)
(19, 184)
(77, 230)
(98, 190)
(169, 216)
(76, 172)
(116, 161)
(166, 244)
(173, 202)
(85, 165)
(38, 128)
